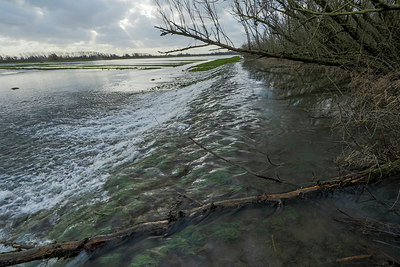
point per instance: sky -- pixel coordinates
(108, 26)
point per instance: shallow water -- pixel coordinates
(85, 152)
(63, 131)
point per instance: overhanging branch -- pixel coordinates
(356, 12)
(328, 62)
(183, 49)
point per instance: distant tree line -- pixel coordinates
(84, 56)
(347, 33)
(66, 56)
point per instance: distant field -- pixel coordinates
(80, 65)
(68, 65)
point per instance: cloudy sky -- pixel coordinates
(111, 26)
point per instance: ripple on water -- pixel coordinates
(233, 115)
(65, 157)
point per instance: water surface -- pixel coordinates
(86, 152)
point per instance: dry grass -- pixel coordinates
(370, 121)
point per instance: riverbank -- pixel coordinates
(365, 108)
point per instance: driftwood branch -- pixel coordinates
(73, 248)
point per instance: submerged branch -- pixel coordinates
(235, 164)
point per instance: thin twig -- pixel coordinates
(183, 49)
(273, 243)
(235, 164)
(358, 257)
(270, 162)
(381, 202)
(385, 243)
(341, 211)
(397, 199)
(192, 199)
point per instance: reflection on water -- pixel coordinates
(106, 159)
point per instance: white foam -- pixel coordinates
(76, 174)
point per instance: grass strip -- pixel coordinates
(214, 64)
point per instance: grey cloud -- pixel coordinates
(12, 15)
(62, 23)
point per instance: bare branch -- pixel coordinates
(344, 33)
(235, 164)
(183, 49)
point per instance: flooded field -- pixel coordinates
(90, 150)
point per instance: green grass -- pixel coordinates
(215, 63)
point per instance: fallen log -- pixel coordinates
(73, 248)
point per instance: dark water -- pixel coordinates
(90, 158)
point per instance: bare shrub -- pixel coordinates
(370, 121)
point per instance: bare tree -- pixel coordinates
(346, 33)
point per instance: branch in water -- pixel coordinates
(235, 164)
(73, 248)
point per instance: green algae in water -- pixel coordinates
(220, 177)
(186, 180)
(100, 219)
(146, 260)
(226, 232)
(113, 259)
(153, 160)
(180, 171)
(77, 232)
(187, 242)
